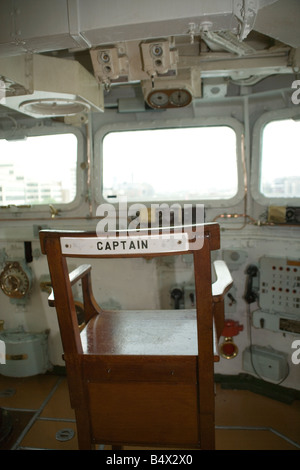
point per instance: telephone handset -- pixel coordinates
(250, 294)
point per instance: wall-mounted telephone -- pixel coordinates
(251, 293)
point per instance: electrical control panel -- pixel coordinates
(279, 289)
(279, 295)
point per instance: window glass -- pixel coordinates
(170, 164)
(280, 159)
(38, 170)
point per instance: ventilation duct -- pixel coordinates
(43, 86)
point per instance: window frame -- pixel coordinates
(172, 124)
(258, 130)
(44, 130)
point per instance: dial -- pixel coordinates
(14, 281)
(180, 98)
(156, 50)
(158, 99)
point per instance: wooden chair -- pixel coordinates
(139, 378)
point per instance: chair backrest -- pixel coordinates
(60, 245)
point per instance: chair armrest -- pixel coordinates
(79, 273)
(74, 276)
(224, 281)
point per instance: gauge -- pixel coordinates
(104, 56)
(180, 98)
(14, 281)
(157, 50)
(158, 99)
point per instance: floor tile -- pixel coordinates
(250, 440)
(42, 435)
(59, 404)
(14, 422)
(30, 392)
(245, 408)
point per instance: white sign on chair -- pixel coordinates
(125, 245)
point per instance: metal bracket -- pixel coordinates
(65, 434)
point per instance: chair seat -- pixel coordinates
(145, 332)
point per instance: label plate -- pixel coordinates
(125, 245)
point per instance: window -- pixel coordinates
(280, 159)
(38, 170)
(191, 163)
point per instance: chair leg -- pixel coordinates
(83, 431)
